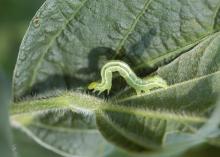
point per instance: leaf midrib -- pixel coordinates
(75, 102)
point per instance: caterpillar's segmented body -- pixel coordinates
(130, 77)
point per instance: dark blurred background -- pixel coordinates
(15, 16)
(14, 20)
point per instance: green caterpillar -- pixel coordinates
(130, 77)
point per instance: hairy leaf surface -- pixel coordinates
(182, 108)
(67, 43)
(68, 40)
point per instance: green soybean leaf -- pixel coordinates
(175, 113)
(69, 40)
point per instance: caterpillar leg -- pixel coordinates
(98, 87)
(104, 85)
(151, 83)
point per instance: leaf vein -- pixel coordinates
(33, 78)
(133, 25)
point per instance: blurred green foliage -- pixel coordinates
(14, 20)
(5, 133)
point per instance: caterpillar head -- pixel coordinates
(97, 87)
(92, 85)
